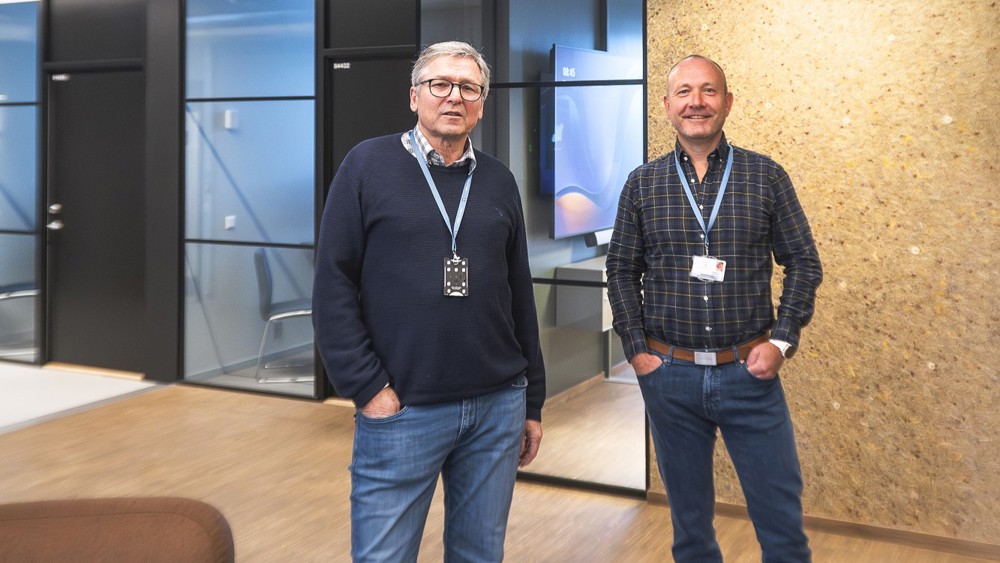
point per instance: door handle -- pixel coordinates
(55, 208)
(56, 225)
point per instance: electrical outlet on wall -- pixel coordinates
(231, 119)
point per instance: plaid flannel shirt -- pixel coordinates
(656, 235)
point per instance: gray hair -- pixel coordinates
(450, 49)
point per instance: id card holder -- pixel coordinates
(456, 277)
(708, 268)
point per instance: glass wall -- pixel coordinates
(594, 418)
(249, 193)
(19, 239)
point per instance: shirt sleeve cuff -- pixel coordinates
(634, 342)
(786, 330)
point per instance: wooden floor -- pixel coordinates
(277, 469)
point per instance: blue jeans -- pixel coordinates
(686, 403)
(472, 444)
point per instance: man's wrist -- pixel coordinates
(786, 349)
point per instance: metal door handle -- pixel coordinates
(56, 225)
(55, 208)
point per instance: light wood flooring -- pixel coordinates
(277, 469)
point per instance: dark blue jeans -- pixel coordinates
(686, 403)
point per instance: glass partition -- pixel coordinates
(18, 298)
(247, 317)
(594, 417)
(19, 239)
(250, 49)
(249, 171)
(249, 195)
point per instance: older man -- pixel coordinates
(425, 317)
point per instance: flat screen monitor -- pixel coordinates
(592, 136)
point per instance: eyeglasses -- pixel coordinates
(441, 88)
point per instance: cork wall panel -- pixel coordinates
(885, 116)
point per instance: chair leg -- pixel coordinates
(263, 366)
(260, 353)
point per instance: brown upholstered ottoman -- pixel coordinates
(114, 530)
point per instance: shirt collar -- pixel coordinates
(720, 153)
(469, 156)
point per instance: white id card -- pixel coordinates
(708, 268)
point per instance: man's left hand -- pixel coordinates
(529, 444)
(764, 361)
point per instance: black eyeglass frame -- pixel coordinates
(461, 93)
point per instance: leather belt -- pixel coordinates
(706, 358)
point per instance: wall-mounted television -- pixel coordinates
(592, 136)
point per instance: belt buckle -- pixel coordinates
(705, 359)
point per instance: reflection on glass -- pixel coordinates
(250, 171)
(458, 20)
(18, 298)
(594, 414)
(250, 49)
(18, 52)
(249, 188)
(18, 181)
(247, 318)
(593, 420)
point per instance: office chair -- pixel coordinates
(273, 314)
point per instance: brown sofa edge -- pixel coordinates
(164, 521)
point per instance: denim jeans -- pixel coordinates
(473, 445)
(686, 403)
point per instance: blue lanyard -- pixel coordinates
(422, 159)
(718, 197)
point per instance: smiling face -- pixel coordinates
(449, 120)
(697, 103)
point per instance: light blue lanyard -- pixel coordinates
(422, 159)
(718, 198)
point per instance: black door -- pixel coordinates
(95, 251)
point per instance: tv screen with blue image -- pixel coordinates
(592, 136)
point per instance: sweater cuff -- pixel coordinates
(533, 413)
(372, 389)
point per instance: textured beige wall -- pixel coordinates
(886, 115)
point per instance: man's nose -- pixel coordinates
(456, 93)
(696, 99)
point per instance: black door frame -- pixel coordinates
(95, 252)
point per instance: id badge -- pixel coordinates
(456, 277)
(708, 268)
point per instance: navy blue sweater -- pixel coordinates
(379, 307)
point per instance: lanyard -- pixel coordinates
(422, 159)
(718, 197)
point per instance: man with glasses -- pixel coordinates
(425, 318)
